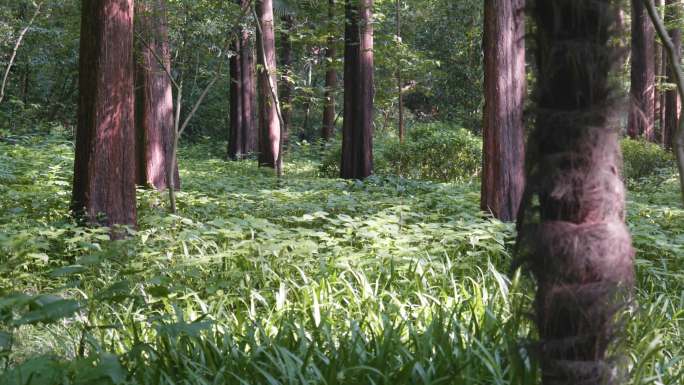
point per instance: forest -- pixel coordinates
(341, 192)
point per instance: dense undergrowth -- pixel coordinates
(304, 281)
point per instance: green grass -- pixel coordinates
(307, 281)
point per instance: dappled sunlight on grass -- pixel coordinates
(301, 281)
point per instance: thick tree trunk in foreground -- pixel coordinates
(573, 237)
(672, 102)
(357, 134)
(641, 116)
(505, 87)
(104, 168)
(269, 123)
(287, 88)
(154, 97)
(243, 137)
(328, 128)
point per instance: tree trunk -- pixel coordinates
(328, 128)
(672, 102)
(286, 83)
(505, 88)
(572, 228)
(243, 136)
(104, 168)
(659, 97)
(235, 140)
(400, 86)
(154, 98)
(357, 134)
(641, 116)
(269, 123)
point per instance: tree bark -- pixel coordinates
(505, 88)
(287, 89)
(104, 168)
(243, 137)
(659, 95)
(235, 140)
(269, 122)
(572, 231)
(357, 134)
(328, 127)
(672, 101)
(641, 116)
(400, 86)
(154, 98)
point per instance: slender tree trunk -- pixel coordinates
(505, 88)
(287, 89)
(400, 86)
(104, 168)
(641, 117)
(572, 227)
(250, 131)
(20, 39)
(357, 135)
(659, 96)
(328, 128)
(154, 98)
(243, 136)
(672, 101)
(269, 123)
(235, 141)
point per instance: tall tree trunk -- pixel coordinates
(505, 88)
(104, 168)
(235, 140)
(250, 132)
(269, 123)
(243, 137)
(400, 86)
(287, 89)
(154, 97)
(659, 96)
(357, 134)
(328, 128)
(573, 236)
(641, 117)
(672, 102)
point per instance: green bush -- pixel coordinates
(437, 152)
(643, 158)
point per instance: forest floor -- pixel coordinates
(304, 281)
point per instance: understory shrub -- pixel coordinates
(433, 151)
(643, 158)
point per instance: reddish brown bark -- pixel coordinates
(269, 123)
(572, 231)
(287, 87)
(400, 85)
(672, 102)
(235, 141)
(154, 97)
(243, 129)
(641, 115)
(328, 127)
(104, 168)
(505, 87)
(357, 134)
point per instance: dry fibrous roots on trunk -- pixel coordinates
(572, 231)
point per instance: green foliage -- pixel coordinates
(306, 281)
(435, 151)
(643, 158)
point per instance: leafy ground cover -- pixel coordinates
(304, 281)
